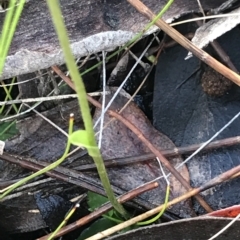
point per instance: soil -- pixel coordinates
(215, 84)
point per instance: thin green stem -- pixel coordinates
(8, 95)
(71, 212)
(160, 213)
(42, 171)
(9, 27)
(6, 26)
(135, 38)
(150, 220)
(93, 150)
(112, 219)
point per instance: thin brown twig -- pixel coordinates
(201, 54)
(167, 153)
(100, 211)
(60, 173)
(35, 165)
(223, 55)
(140, 135)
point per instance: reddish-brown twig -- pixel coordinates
(139, 134)
(35, 165)
(105, 208)
(60, 173)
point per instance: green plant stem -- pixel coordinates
(160, 213)
(42, 171)
(8, 95)
(6, 27)
(71, 212)
(93, 150)
(112, 219)
(9, 27)
(150, 220)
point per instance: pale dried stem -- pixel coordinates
(201, 54)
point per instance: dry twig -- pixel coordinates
(100, 211)
(202, 55)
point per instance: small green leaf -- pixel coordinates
(151, 59)
(98, 226)
(80, 138)
(95, 201)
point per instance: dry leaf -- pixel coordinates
(118, 141)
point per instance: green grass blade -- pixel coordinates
(93, 151)
(42, 171)
(135, 38)
(9, 27)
